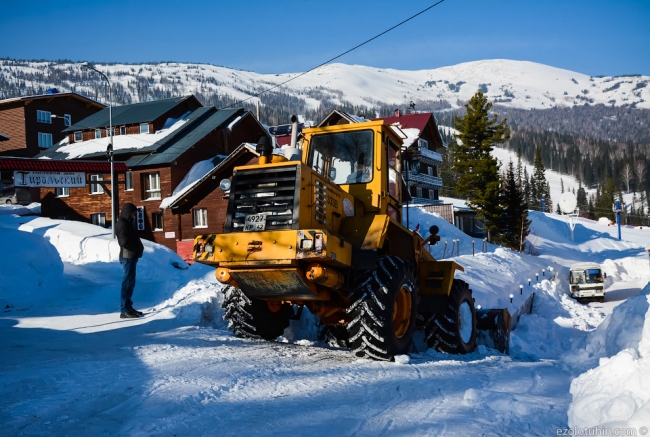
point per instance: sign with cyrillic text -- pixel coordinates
(49, 179)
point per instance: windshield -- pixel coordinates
(344, 157)
(589, 276)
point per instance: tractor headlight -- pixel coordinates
(306, 244)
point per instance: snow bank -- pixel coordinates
(616, 393)
(32, 267)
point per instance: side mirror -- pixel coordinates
(332, 173)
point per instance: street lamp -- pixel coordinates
(109, 150)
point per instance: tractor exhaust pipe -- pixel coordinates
(294, 131)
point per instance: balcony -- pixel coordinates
(422, 180)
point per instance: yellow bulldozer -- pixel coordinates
(325, 232)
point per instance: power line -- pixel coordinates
(336, 57)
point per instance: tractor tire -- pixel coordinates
(334, 335)
(384, 310)
(453, 329)
(254, 318)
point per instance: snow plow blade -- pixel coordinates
(493, 328)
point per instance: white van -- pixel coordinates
(586, 281)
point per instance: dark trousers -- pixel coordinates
(128, 283)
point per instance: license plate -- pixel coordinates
(255, 222)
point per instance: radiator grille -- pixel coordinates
(273, 191)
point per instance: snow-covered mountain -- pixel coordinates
(519, 84)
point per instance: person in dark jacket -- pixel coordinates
(131, 249)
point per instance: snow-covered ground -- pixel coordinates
(71, 366)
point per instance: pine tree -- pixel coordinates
(539, 186)
(478, 170)
(515, 223)
(605, 200)
(527, 190)
(520, 173)
(548, 201)
(581, 197)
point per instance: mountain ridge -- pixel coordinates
(517, 84)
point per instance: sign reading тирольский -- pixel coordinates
(53, 179)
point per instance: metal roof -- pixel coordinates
(193, 132)
(143, 112)
(53, 95)
(200, 123)
(30, 164)
(223, 164)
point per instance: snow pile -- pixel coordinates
(617, 392)
(35, 267)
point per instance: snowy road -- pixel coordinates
(70, 366)
(152, 379)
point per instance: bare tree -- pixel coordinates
(639, 172)
(627, 175)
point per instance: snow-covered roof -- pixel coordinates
(202, 171)
(120, 142)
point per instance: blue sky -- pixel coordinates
(594, 37)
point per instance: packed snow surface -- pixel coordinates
(71, 366)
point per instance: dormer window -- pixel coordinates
(78, 136)
(144, 128)
(424, 144)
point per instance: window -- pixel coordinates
(67, 119)
(98, 219)
(122, 130)
(200, 218)
(62, 192)
(151, 186)
(418, 192)
(394, 170)
(98, 133)
(430, 170)
(44, 117)
(78, 136)
(44, 140)
(96, 188)
(144, 128)
(157, 221)
(108, 132)
(128, 179)
(424, 144)
(343, 158)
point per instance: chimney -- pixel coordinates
(397, 113)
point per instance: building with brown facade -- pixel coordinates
(33, 124)
(160, 142)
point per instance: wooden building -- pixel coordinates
(202, 196)
(421, 156)
(160, 142)
(33, 124)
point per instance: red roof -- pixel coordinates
(409, 121)
(25, 164)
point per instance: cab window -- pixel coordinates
(343, 157)
(394, 170)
